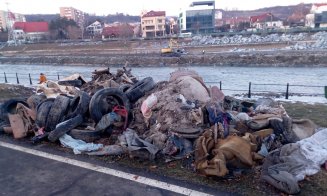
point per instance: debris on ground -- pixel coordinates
(179, 119)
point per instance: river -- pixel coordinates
(234, 79)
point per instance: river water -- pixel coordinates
(234, 80)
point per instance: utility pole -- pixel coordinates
(10, 24)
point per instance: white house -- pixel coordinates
(94, 28)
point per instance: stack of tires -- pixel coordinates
(58, 116)
(63, 114)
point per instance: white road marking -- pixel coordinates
(105, 170)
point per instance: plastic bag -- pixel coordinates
(148, 104)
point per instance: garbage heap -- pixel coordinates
(180, 119)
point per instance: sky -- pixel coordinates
(134, 7)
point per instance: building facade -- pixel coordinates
(73, 14)
(7, 19)
(94, 29)
(153, 24)
(198, 18)
(317, 18)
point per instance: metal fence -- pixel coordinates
(253, 88)
(26, 79)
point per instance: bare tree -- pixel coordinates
(125, 31)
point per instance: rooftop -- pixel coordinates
(154, 14)
(31, 27)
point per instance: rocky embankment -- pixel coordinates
(250, 58)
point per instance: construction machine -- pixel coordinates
(172, 50)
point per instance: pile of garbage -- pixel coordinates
(177, 119)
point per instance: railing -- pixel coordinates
(29, 79)
(250, 91)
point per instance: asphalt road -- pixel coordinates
(27, 174)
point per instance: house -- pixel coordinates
(18, 35)
(94, 29)
(317, 16)
(153, 24)
(265, 21)
(33, 30)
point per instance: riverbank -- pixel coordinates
(115, 54)
(266, 59)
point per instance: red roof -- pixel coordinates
(32, 27)
(263, 18)
(154, 14)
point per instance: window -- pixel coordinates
(149, 28)
(159, 20)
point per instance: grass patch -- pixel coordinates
(315, 112)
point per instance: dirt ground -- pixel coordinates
(245, 182)
(9, 91)
(114, 47)
(147, 53)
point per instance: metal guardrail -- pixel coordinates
(34, 80)
(287, 92)
(18, 77)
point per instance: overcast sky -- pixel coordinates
(133, 7)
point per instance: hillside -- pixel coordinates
(286, 13)
(282, 12)
(110, 18)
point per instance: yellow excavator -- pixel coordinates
(172, 50)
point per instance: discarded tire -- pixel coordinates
(97, 108)
(76, 83)
(125, 87)
(57, 112)
(34, 100)
(42, 112)
(64, 127)
(139, 89)
(78, 105)
(85, 135)
(9, 107)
